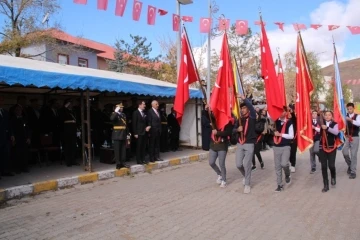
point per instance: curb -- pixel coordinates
(61, 183)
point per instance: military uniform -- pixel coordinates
(69, 127)
(119, 137)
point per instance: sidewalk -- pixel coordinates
(56, 176)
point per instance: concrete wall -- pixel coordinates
(102, 64)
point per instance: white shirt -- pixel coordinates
(141, 112)
(356, 121)
(290, 134)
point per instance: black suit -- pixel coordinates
(154, 121)
(174, 132)
(4, 141)
(138, 127)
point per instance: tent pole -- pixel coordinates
(197, 122)
(82, 114)
(89, 143)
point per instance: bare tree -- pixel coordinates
(23, 23)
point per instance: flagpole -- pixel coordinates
(209, 57)
(237, 68)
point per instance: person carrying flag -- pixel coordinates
(314, 150)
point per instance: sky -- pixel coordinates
(103, 26)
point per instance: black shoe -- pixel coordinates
(279, 188)
(253, 168)
(313, 170)
(262, 165)
(333, 181)
(118, 166)
(159, 160)
(288, 179)
(352, 176)
(349, 171)
(326, 186)
(152, 160)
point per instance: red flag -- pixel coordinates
(304, 88)
(280, 25)
(281, 82)
(259, 23)
(299, 26)
(162, 12)
(80, 1)
(221, 99)
(176, 22)
(315, 26)
(137, 6)
(151, 15)
(187, 18)
(354, 29)
(102, 4)
(205, 25)
(224, 24)
(120, 7)
(273, 98)
(333, 27)
(187, 75)
(242, 27)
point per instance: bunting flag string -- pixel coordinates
(205, 23)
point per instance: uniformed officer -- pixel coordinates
(69, 131)
(119, 135)
(164, 138)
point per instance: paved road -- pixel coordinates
(185, 203)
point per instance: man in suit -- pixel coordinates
(33, 119)
(119, 135)
(175, 131)
(154, 122)
(4, 141)
(140, 130)
(21, 100)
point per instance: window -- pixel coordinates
(82, 62)
(63, 59)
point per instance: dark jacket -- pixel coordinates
(138, 123)
(250, 121)
(154, 121)
(223, 138)
(4, 128)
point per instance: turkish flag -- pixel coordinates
(80, 1)
(315, 26)
(354, 29)
(162, 12)
(242, 27)
(281, 81)
(102, 4)
(222, 95)
(151, 15)
(120, 7)
(224, 24)
(274, 101)
(187, 18)
(280, 25)
(299, 26)
(137, 6)
(176, 22)
(187, 75)
(304, 88)
(333, 27)
(205, 25)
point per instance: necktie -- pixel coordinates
(142, 113)
(156, 112)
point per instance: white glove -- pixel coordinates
(117, 109)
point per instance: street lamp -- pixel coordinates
(178, 3)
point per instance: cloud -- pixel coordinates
(319, 41)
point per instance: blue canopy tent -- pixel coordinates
(28, 73)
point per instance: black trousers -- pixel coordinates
(257, 148)
(140, 148)
(69, 145)
(327, 159)
(120, 151)
(174, 140)
(293, 149)
(20, 156)
(154, 146)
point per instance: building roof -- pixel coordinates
(28, 72)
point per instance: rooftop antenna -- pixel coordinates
(46, 20)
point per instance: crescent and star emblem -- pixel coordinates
(205, 21)
(137, 6)
(151, 11)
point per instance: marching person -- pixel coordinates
(246, 141)
(259, 129)
(140, 131)
(119, 135)
(284, 133)
(351, 145)
(314, 150)
(154, 123)
(219, 143)
(69, 131)
(327, 152)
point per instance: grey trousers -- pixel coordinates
(313, 155)
(350, 153)
(244, 154)
(281, 159)
(213, 155)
